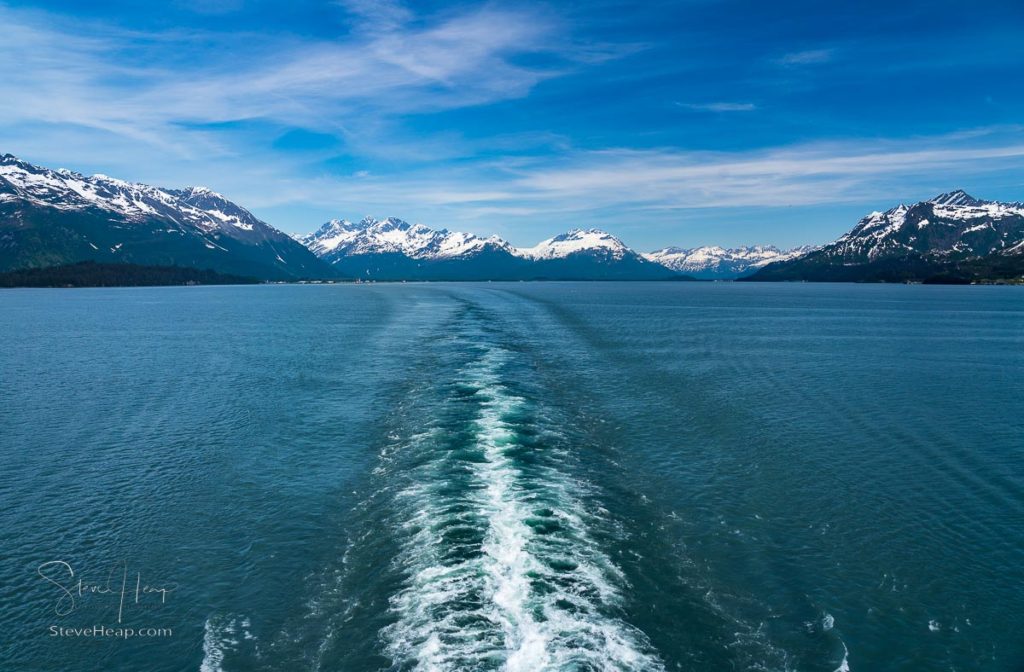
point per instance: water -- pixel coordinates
(522, 477)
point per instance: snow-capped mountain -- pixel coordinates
(934, 237)
(57, 216)
(720, 263)
(392, 249)
(954, 225)
(392, 235)
(592, 242)
(590, 254)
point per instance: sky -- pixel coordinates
(666, 123)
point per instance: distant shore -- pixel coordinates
(94, 274)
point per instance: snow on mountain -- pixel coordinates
(339, 238)
(394, 249)
(458, 244)
(576, 241)
(719, 262)
(66, 190)
(951, 235)
(951, 225)
(959, 205)
(329, 236)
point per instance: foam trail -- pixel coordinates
(213, 653)
(220, 637)
(503, 570)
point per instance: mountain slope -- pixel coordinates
(718, 263)
(944, 236)
(50, 217)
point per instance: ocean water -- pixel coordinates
(523, 477)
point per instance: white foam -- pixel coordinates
(221, 636)
(844, 666)
(528, 630)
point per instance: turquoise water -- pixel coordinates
(592, 476)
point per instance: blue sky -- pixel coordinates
(667, 123)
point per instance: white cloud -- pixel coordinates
(140, 86)
(378, 15)
(800, 175)
(808, 57)
(719, 107)
(586, 183)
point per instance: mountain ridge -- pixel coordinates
(393, 249)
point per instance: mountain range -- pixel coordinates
(718, 263)
(53, 217)
(392, 249)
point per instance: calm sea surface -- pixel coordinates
(522, 477)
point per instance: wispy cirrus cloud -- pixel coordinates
(131, 84)
(384, 15)
(652, 184)
(807, 57)
(718, 107)
(799, 175)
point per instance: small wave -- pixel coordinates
(844, 666)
